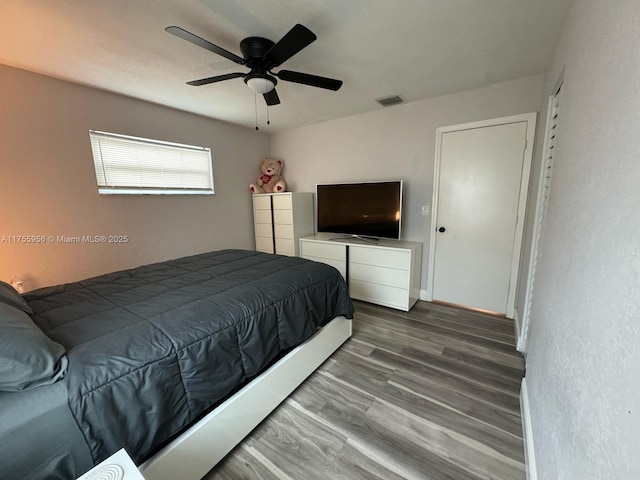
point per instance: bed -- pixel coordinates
(167, 361)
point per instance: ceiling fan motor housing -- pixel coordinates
(253, 50)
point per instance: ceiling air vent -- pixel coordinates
(391, 100)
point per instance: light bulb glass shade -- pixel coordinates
(260, 85)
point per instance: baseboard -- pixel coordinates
(423, 295)
(516, 324)
(529, 454)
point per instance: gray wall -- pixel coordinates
(48, 185)
(396, 143)
(583, 356)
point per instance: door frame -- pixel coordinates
(530, 119)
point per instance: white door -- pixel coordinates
(482, 177)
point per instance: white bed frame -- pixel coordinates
(199, 449)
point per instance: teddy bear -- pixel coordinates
(270, 181)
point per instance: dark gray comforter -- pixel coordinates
(151, 349)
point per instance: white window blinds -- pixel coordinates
(132, 165)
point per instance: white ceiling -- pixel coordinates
(415, 48)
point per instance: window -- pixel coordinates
(132, 165)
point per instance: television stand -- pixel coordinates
(386, 272)
(362, 238)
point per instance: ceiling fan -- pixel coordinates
(261, 56)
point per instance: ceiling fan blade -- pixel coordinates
(201, 42)
(271, 98)
(307, 79)
(217, 78)
(294, 40)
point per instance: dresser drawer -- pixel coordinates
(341, 266)
(282, 202)
(283, 217)
(262, 216)
(263, 230)
(391, 277)
(284, 231)
(330, 251)
(262, 202)
(264, 244)
(380, 294)
(284, 246)
(382, 257)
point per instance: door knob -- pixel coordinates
(441, 229)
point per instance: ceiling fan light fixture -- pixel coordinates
(259, 82)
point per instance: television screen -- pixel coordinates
(371, 209)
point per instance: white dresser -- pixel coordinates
(386, 273)
(280, 219)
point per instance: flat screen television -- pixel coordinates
(367, 209)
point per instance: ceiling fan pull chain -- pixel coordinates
(268, 121)
(255, 104)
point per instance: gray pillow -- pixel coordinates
(28, 358)
(10, 296)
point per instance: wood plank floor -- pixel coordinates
(429, 394)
